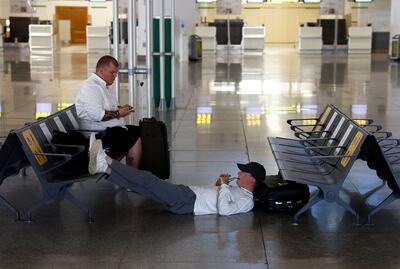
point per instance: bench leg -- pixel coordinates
(39, 204)
(377, 188)
(393, 196)
(315, 199)
(346, 206)
(52, 192)
(67, 195)
(11, 207)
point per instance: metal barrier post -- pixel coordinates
(172, 105)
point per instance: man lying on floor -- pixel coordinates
(223, 199)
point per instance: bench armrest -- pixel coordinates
(85, 130)
(308, 172)
(314, 149)
(315, 139)
(67, 158)
(376, 126)
(385, 133)
(290, 139)
(369, 121)
(387, 153)
(80, 147)
(304, 133)
(299, 127)
(331, 156)
(395, 140)
(289, 121)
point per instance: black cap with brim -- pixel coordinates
(255, 169)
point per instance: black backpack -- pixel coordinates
(274, 194)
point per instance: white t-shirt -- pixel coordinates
(93, 99)
(225, 200)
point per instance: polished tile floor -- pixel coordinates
(226, 108)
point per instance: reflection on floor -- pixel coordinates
(227, 106)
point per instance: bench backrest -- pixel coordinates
(35, 139)
(351, 141)
(322, 122)
(335, 127)
(335, 135)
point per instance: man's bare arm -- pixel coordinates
(109, 115)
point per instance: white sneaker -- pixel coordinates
(92, 139)
(97, 158)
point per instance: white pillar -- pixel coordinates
(132, 51)
(394, 19)
(116, 42)
(149, 56)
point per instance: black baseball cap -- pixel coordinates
(255, 169)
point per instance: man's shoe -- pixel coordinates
(97, 158)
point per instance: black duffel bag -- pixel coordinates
(274, 194)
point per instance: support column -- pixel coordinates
(116, 43)
(132, 55)
(163, 104)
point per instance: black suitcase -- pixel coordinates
(155, 152)
(282, 196)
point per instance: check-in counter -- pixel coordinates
(310, 40)
(208, 37)
(41, 39)
(42, 67)
(97, 38)
(360, 39)
(253, 38)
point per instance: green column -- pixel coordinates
(156, 61)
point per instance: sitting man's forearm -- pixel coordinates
(109, 115)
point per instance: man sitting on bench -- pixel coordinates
(223, 199)
(98, 110)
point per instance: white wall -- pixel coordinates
(100, 14)
(378, 14)
(395, 18)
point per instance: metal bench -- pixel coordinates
(41, 154)
(304, 131)
(325, 171)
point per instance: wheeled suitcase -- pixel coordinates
(282, 196)
(155, 152)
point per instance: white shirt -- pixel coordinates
(93, 99)
(225, 200)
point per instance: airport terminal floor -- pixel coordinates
(227, 106)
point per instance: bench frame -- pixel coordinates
(35, 140)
